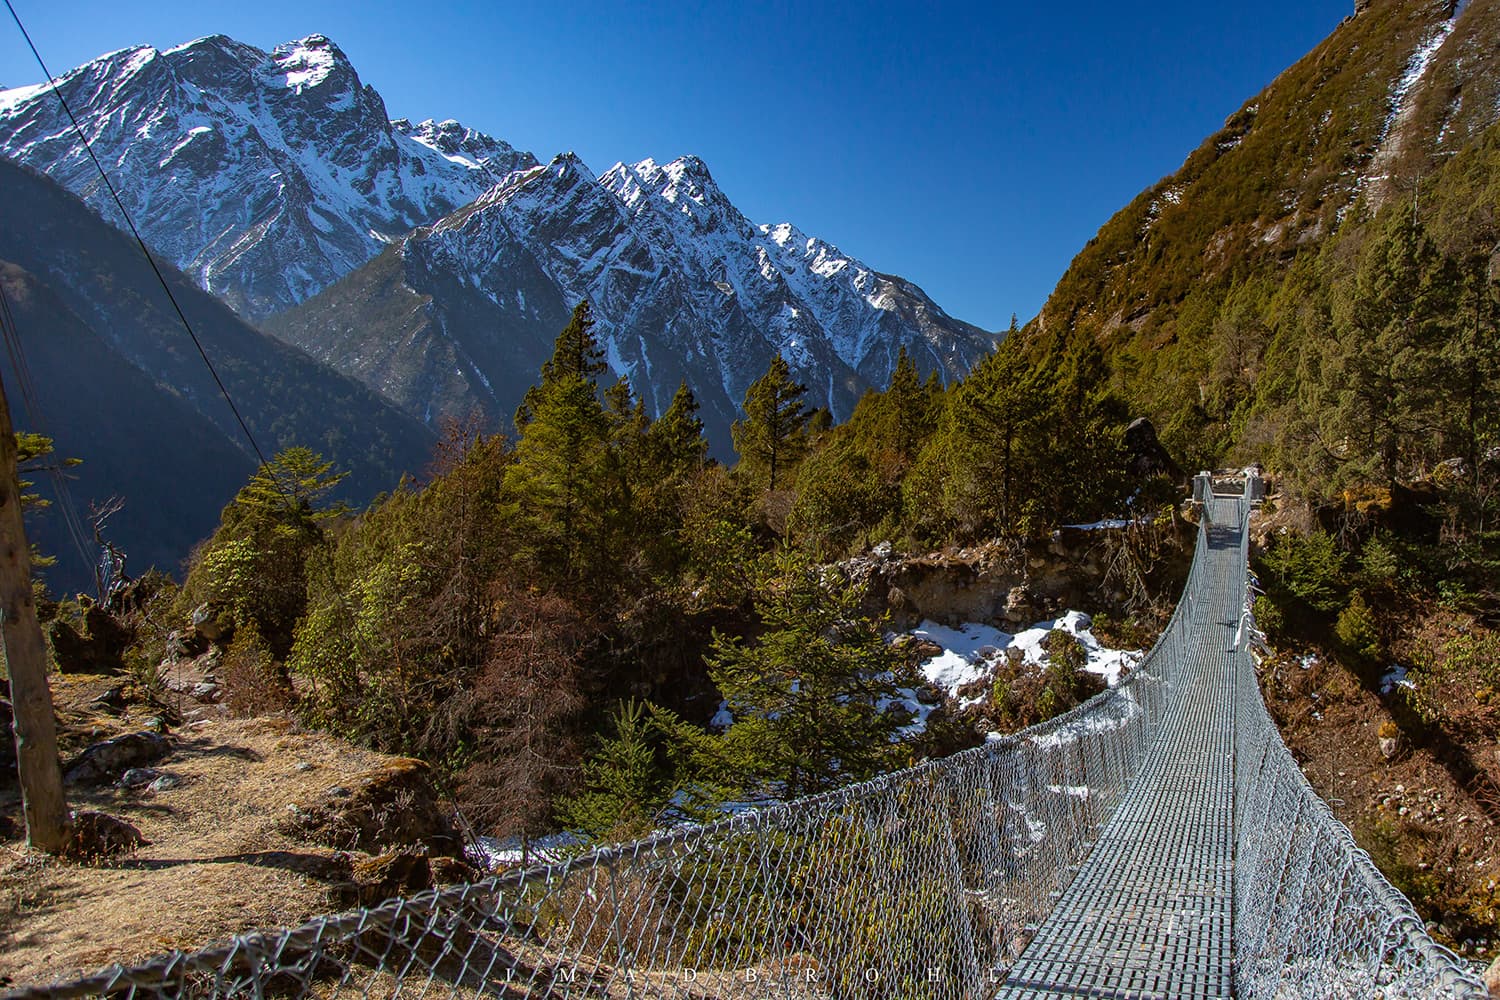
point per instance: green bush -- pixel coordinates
(1309, 568)
(1357, 631)
(1268, 616)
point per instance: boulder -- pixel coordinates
(104, 763)
(195, 677)
(390, 806)
(1020, 606)
(94, 643)
(403, 873)
(1147, 456)
(97, 835)
(1492, 978)
(139, 777)
(211, 623)
(111, 702)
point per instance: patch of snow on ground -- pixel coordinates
(967, 650)
(1108, 524)
(971, 651)
(492, 852)
(1393, 678)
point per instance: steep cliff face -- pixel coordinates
(264, 176)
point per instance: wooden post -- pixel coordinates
(26, 662)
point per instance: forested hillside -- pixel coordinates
(553, 619)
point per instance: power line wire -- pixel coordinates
(89, 148)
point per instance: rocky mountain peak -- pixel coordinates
(276, 179)
(311, 62)
(265, 176)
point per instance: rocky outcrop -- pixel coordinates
(390, 806)
(104, 763)
(94, 643)
(1115, 567)
(95, 836)
(373, 879)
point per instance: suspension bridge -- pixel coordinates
(1158, 841)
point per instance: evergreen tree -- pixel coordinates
(903, 413)
(773, 436)
(32, 456)
(1086, 428)
(676, 440)
(1376, 402)
(562, 489)
(1470, 368)
(625, 784)
(807, 696)
(1004, 402)
(575, 353)
(254, 568)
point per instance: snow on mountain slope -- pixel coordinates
(684, 288)
(272, 177)
(264, 176)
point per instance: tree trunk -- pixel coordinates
(26, 662)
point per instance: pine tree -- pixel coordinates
(1380, 374)
(557, 490)
(676, 440)
(32, 456)
(773, 436)
(1004, 403)
(807, 696)
(1470, 368)
(255, 565)
(562, 491)
(906, 410)
(625, 785)
(576, 352)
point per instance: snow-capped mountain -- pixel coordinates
(460, 314)
(268, 177)
(264, 176)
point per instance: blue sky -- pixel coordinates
(973, 148)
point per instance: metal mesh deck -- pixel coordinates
(1150, 913)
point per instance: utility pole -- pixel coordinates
(26, 663)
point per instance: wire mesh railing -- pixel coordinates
(1314, 917)
(928, 882)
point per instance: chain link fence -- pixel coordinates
(928, 882)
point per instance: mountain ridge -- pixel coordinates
(263, 175)
(134, 400)
(1371, 116)
(685, 287)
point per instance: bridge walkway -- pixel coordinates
(1149, 914)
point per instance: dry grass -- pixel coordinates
(216, 864)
